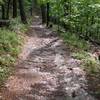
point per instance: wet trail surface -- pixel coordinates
(46, 70)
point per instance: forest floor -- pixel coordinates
(45, 70)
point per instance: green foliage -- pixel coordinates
(92, 67)
(8, 42)
(90, 64)
(17, 26)
(81, 55)
(80, 16)
(9, 49)
(43, 1)
(73, 40)
(1, 1)
(7, 60)
(4, 71)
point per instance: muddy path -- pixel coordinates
(46, 70)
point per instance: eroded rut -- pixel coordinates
(46, 71)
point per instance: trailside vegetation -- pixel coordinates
(76, 21)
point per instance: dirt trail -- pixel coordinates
(45, 70)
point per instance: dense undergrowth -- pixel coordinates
(11, 40)
(17, 26)
(9, 49)
(83, 53)
(74, 40)
(92, 68)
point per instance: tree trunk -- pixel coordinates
(8, 8)
(14, 8)
(3, 12)
(22, 12)
(48, 17)
(43, 12)
(34, 3)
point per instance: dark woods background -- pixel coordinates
(81, 17)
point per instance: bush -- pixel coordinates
(92, 68)
(4, 72)
(17, 26)
(9, 42)
(9, 49)
(74, 40)
(90, 64)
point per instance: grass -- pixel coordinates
(73, 40)
(92, 68)
(9, 49)
(17, 26)
(89, 63)
(80, 49)
(10, 46)
(82, 52)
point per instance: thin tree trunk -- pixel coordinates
(48, 17)
(14, 8)
(8, 8)
(3, 12)
(43, 12)
(34, 3)
(22, 12)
